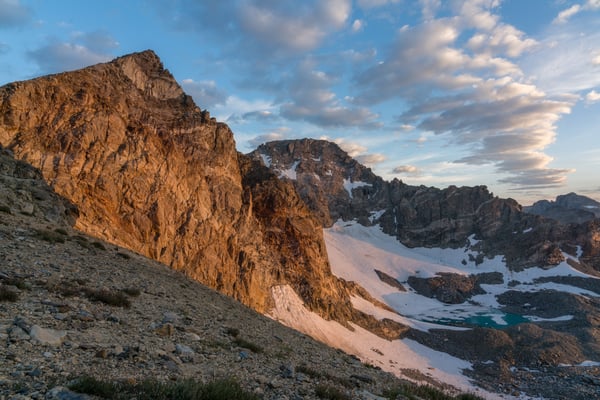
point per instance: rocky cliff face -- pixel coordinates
(150, 171)
(567, 209)
(335, 186)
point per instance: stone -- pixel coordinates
(46, 336)
(17, 334)
(165, 330)
(182, 349)
(62, 393)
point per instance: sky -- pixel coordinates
(502, 93)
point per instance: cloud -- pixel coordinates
(205, 93)
(267, 137)
(57, 57)
(565, 61)
(312, 100)
(284, 25)
(409, 170)
(13, 14)
(97, 41)
(564, 15)
(234, 107)
(375, 3)
(429, 8)
(370, 159)
(592, 96)
(477, 100)
(357, 25)
(353, 149)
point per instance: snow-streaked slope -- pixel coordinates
(355, 251)
(391, 356)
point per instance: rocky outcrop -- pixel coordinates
(453, 288)
(567, 209)
(150, 171)
(335, 186)
(24, 191)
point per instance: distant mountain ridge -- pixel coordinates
(333, 185)
(569, 208)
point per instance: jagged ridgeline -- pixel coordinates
(334, 186)
(149, 170)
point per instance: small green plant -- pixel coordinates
(313, 373)
(234, 332)
(7, 294)
(188, 389)
(247, 345)
(19, 283)
(417, 392)
(49, 236)
(329, 392)
(131, 291)
(110, 297)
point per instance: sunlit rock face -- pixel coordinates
(149, 170)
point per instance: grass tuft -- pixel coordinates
(188, 389)
(329, 392)
(49, 236)
(7, 294)
(110, 297)
(417, 392)
(247, 345)
(131, 291)
(233, 332)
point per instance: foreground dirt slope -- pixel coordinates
(58, 325)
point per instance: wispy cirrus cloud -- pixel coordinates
(565, 15)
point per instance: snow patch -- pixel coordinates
(349, 186)
(289, 173)
(375, 215)
(266, 160)
(557, 319)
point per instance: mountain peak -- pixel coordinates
(146, 71)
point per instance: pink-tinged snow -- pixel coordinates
(355, 251)
(391, 356)
(349, 185)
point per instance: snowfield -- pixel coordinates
(356, 251)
